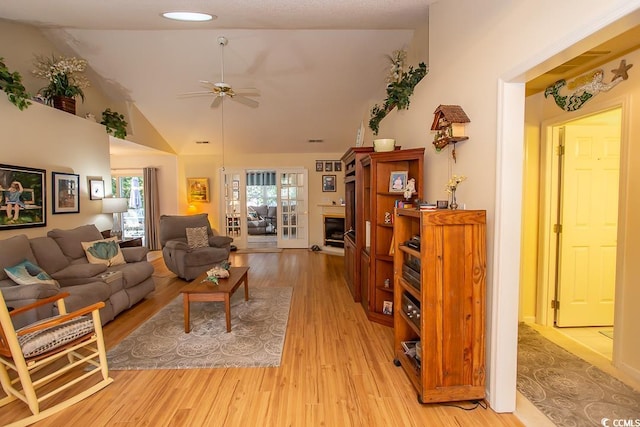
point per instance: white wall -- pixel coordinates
(474, 47)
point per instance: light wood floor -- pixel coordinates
(336, 367)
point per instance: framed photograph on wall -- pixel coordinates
(198, 190)
(319, 165)
(22, 197)
(96, 189)
(328, 166)
(328, 183)
(398, 181)
(66, 187)
(337, 166)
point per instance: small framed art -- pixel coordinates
(328, 183)
(337, 166)
(319, 166)
(398, 181)
(66, 187)
(96, 189)
(198, 190)
(328, 166)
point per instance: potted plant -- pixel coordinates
(115, 123)
(66, 80)
(11, 84)
(400, 85)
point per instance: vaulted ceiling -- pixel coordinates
(319, 66)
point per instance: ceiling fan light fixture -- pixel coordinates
(189, 16)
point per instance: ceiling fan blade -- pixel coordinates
(198, 93)
(246, 101)
(247, 91)
(216, 101)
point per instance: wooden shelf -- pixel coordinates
(451, 301)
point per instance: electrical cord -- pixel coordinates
(480, 403)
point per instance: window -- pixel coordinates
(131, 187)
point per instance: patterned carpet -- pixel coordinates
(258, 328)
(568, 390)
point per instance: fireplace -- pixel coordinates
(333, 231)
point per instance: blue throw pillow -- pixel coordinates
(27, 273)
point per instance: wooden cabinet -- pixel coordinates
(354, 238)
(439, 302)
(377, 218)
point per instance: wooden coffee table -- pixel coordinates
(201, 289)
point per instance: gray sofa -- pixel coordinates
(186, 261)
(261, 220)
(62, 256)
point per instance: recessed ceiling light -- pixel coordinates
(202, 142)
(189, 16)
(315, 141)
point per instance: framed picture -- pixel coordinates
(337, 166)
(22, 197)
(328, 166)
(442, 204)
(387, 307)
(398, 181)
(198, 190)
(66, 187)
(235, 185)
(328, 183)
(96, 189)
(319, 165)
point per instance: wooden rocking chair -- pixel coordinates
(31, 357)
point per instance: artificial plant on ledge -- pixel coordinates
(11, 84)
(400, 85)
(115, 123)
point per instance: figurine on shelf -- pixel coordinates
(387, 217)
(410, 189)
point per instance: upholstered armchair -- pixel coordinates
(190, 246)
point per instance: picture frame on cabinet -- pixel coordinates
(22, 197)
(398, 181)
(387, 307)
(96, 189)
(65, 195)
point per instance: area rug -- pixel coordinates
(258, 328)
(568, 390)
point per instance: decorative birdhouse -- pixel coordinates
(448, 123)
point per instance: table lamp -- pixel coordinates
(115, 206)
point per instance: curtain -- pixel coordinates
(152, 208)
(261, 178)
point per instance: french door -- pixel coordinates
(129, 185)
(292, 208)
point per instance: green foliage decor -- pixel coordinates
(11, 84)
(64, 75)
(398, 94)
(115, 123)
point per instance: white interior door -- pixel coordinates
(233, 210)
(589, 212)
(293, 214)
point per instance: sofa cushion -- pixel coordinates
(220, 241)
(77, 274)
(261, 210)
(14, 250)
(135, 253)
(105, 251)
(197, 237)
(173, 226)
(48, 254)
(134, 273)
(28, 273)
(70, 240)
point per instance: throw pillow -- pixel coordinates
(105, 251)
(197, 237)
(27, 273)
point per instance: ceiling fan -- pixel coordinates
(222, 90)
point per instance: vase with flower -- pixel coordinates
(66, 80)
(451, 188)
